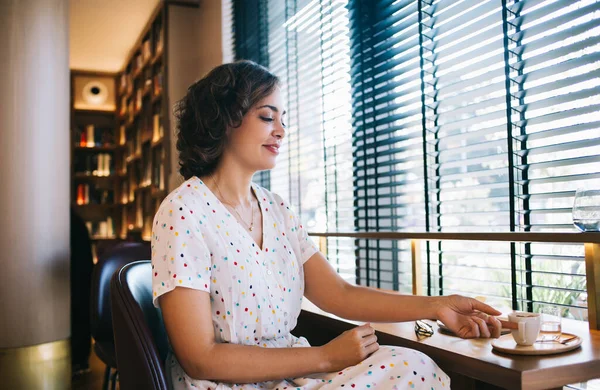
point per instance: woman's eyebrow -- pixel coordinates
(272, 108)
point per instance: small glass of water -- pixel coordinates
(550, 329)
(586, 210)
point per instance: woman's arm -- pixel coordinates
(187, 317)
(326, 289)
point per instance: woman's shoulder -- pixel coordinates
(271, 198)
(186, 195)
(275, 201)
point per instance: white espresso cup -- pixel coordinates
(529, 327)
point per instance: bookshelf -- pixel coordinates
(142, 141)
(124, 174)
(93, 184)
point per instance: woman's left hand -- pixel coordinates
(469, 318)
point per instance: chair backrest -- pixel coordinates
(140, 337)
(117, 257)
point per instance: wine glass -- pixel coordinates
(586, 210)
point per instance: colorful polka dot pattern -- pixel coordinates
(256, 293)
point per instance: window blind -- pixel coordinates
(465, 136)
(251, 42)
(387, 139)
(503, 98)
(442, 115)
(554, 73)
(306, 45)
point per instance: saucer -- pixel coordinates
(507, 344)
(447, 330)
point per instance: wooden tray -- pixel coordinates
(507, 344)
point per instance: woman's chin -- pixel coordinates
(268, 163)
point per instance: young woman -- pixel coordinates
(232, 262)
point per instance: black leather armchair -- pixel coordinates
(140, 336)
(101, 318)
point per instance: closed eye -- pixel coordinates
(267, 119)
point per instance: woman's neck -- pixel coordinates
(232, 186)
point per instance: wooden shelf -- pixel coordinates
(97, 206)
(93, 112)
(80, 175)
(109, 148)
(102, 238)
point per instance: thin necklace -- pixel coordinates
(251, 225)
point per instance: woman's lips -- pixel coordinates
(272, 149)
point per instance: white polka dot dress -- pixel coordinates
(256, 293)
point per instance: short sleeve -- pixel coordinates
(306, 247)
(180, 257)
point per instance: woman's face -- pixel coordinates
(255, 144)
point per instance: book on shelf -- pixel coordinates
(157, 128)
(159, 41)
(138, 99)
(122, 135)
(124, 107)
(146, 50)
(96, 164)
(101, 229)
(139, 63)
(138, 142)
(158, 83)
(90, 136)
(129, 83)
(124, 223)
(123, 82)
(103, 165)
(139, 215)
(87, 195)
(130, 110)
(89, 131)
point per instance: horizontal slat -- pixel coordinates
(561, 67)
(557, 84)
(561, 163)
(566, 178)
(572, 129)
(561, 99)
(556, 116)
(560, 147)
(552, 54)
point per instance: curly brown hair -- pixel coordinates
(212, 105)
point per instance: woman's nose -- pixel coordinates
(279, 131)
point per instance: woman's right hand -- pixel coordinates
(350, 348)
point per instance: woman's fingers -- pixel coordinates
(371, 348)
(366, 341)
(495, 326)
(365, 330)
(482, 327)
(477, 305)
